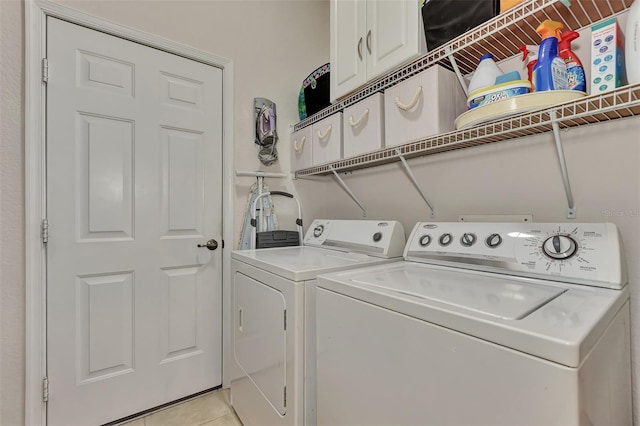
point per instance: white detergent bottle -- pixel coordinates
(632, 43)
(485, 75)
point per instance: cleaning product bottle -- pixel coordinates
(575, 71)
(485, 74)
(530, 56)
(550, 72)
(632, 44)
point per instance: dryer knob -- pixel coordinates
(377, 236)
(317, 231)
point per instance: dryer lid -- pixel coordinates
(303, 263)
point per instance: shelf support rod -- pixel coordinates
(454, 64)
(571, 210)
(346, 188)
(414, 180)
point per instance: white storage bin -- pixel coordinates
(363, 126)
(424, 105)
(301, 147)
(327, 139)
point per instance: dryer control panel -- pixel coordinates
(582, 253)
(384, 238)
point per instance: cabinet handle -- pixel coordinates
(356, 123)
(326, 133)
(360, 48)
(407, 107)
(297, 146)
(369, 41)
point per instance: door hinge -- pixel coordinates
(45, 70)
(285, 396)
(45, 231)
(285, 320)
(45, 389)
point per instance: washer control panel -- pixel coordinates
(583, 253)
(385, 238)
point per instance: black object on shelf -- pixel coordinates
(314, 93)
(445, 20)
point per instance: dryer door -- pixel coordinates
(260, 337)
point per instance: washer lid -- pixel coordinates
(559, 322)
(494, 296)
(302, 263)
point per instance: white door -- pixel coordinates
(134, 148)
(393, 37)
(348, 46)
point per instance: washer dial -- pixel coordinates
(559, 247)
(493, 240)
(377, 236)
(445, 239)
(468, 239)
(425, 240)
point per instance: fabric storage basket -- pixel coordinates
(363, 126)
(301, 145)
(327, 139)
(424, 105)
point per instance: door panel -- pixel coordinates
(134, 144)
(395, 27)
(260, 345)
(348, 49)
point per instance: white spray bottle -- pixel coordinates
(632, 43)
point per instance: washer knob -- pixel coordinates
(318, 230)
(494, 240)
(445, 239)
(377, 236)
(468, 239)
(425, 240)
(559, 247)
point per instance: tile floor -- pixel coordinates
(211, 409)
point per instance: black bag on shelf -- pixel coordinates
(445, 20)
(314, 93)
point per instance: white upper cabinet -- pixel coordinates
(370, 37)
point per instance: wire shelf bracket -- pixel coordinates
(571, 210)
(415, 181)
(346, 188)
(456, 69)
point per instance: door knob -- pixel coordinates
(211, 244)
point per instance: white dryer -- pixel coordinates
(273, 342)
(482, 324)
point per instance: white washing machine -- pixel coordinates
(273, 342)
(482, 324)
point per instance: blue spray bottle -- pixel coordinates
(550, 72)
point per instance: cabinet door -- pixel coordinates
(395, 34)
(348, 46)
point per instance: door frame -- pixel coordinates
(36, 13)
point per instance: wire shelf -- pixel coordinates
(620, 103)
(501, 36)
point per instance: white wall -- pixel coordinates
(274, 44)
(11, 214)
